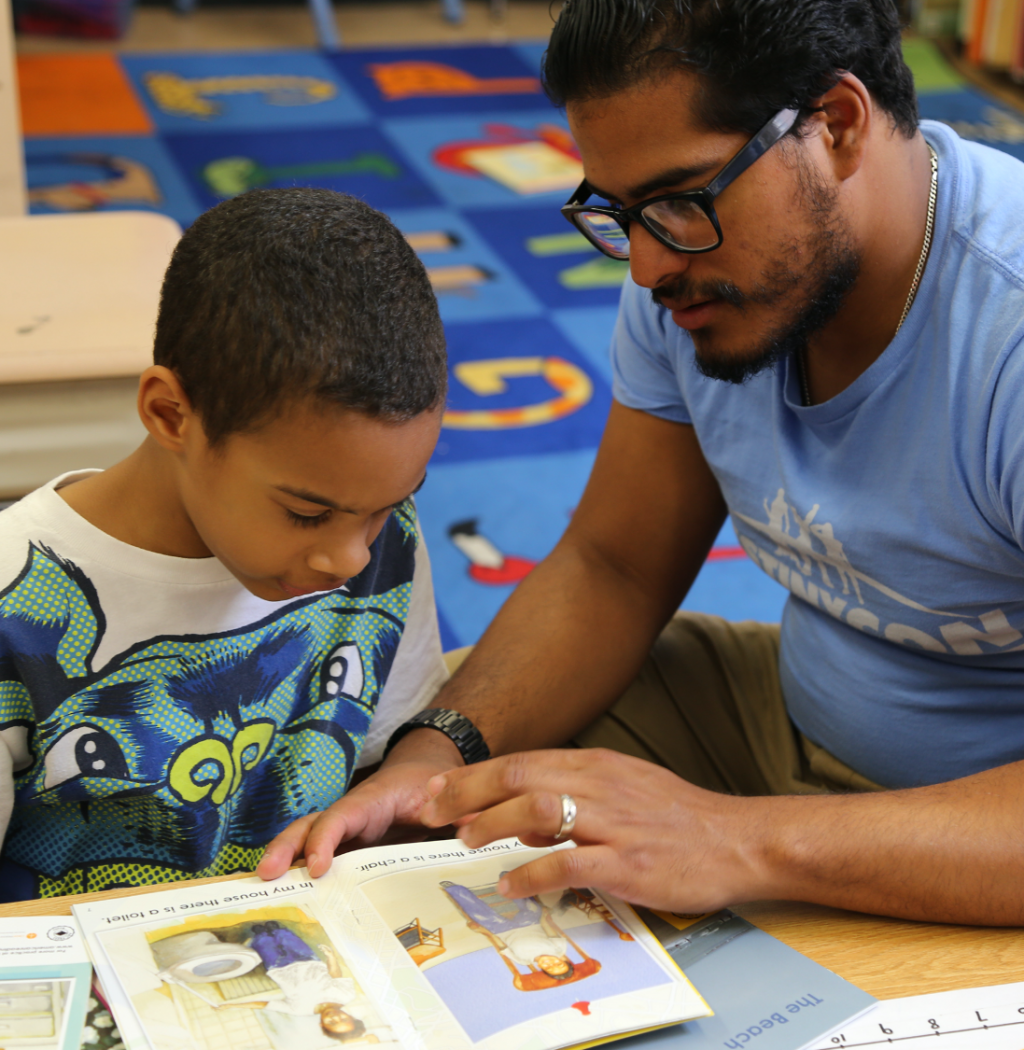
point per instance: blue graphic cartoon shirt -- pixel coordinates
(159, 722)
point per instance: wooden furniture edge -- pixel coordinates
(62, 905)
(890, 958)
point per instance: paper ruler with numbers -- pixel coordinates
(969, 1019)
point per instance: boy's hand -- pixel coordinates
(384, 807)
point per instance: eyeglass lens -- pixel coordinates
(680, 222)
(606, 233)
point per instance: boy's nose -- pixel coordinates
(342, 562)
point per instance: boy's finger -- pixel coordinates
(346, 819)
(283, 849)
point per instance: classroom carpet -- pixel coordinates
(461, 148)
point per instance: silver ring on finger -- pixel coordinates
(568, 818)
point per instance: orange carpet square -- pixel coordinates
(78, 95)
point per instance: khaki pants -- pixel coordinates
(707, 704)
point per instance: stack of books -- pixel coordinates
(992, 32)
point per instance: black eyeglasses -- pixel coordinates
(685, 222)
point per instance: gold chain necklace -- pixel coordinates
(933, 196)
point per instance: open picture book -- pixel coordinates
(407, 946)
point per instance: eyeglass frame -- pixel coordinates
(704, 197)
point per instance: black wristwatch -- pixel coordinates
(458, 728)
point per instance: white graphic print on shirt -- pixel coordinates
(801, 552)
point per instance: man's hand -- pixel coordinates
(642, 833)
(385, 804)
(950, 852)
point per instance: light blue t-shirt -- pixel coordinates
(894, 513)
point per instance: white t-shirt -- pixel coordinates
(163, 722)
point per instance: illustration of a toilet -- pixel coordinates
(201, 957)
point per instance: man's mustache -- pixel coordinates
(683, 289)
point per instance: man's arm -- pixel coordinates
(636, 541)
(569, 640)
(952, 852)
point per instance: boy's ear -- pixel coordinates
(165, 409)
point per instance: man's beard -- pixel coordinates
(829, 275)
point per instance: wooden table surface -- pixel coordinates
(886, 957)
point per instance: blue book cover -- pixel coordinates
(766, 995)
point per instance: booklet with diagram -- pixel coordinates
(44, 983)
(765, 994)
(408, 946)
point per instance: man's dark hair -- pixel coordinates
(284, 295)
(753, 57)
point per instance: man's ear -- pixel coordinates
(844, 121)
(165, 409)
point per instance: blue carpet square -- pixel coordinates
(521, 504)
(421, 138)
(556, 261)
(123, 173)
(573, 417)
(590, 329)
(976, 117)
(415, 81)
(356, 160)
(489, 290)
(216, 92)
(531, 54)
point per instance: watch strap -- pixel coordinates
(457, 727)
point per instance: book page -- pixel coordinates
(44, 983)
(246, 965)
(474, 969)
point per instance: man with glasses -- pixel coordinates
(822, 336)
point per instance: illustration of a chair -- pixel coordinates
(420, 943)
(590, 905)
(511, 925)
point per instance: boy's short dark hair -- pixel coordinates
(284, 295)
(753, 57)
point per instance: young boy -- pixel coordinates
(200, 644)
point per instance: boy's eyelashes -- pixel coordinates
(320, 517)
(308, 521)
